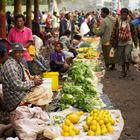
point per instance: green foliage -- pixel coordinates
(10, 2)
(80, 91)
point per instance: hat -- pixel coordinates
(136, 21)
(18, 47)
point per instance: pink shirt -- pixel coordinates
(23, 37)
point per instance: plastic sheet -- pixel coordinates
(118, 127)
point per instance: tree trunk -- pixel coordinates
(29, 13)
(17, 7)
(2, 19)
(36, 10)
(48, 2)
(50, 6)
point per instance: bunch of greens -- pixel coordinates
(81, 92)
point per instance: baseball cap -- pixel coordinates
(136, 21)
(18, 47)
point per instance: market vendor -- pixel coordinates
(57, 59)
(15, 87)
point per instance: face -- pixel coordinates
(18, 55)
(58, 48)
(19, 23)
(124, 16)
(103, 14)
(68, 16)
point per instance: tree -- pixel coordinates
(36, 10)
(17, 7)
(29, 13)
(2, 19)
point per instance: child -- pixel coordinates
(35, 60)
(57, 59)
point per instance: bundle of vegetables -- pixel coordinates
(78, 96)
(84, 69)
(87, 52)
(91, 39)
(81, 92)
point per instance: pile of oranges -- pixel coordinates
(68, 128)
(99, 122)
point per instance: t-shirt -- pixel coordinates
(55, 56)
(23, 37)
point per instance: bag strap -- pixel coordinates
(117, 34)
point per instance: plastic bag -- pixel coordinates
(136, 55)
(112, 52)
(50, 133)
(29, 122)
(84, 29)
(38, 43)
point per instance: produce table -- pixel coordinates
(116, 114)
(88, 57)
(83, 91)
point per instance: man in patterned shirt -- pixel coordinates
(15, 88)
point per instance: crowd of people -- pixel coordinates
(117, 32)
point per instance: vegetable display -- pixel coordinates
(80, 89)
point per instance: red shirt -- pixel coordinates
(23, 37)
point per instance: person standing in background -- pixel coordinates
(66, 24)
(124, 44)
(9, 20)
(105, 31)
(20, 33)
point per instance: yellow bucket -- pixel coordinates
(54, 76)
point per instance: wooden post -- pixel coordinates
(36, 10)
(17, 7)
(29, 13)
(2, 19)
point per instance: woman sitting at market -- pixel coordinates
(65, 40)
(57, 59)
(37, 63)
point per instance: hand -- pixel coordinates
(38, 82)
(66, 65)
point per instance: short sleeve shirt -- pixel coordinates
(55, 56)
(23, 37)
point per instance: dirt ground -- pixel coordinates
(125, 95)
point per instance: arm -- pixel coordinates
(30, 39)
(15, 80)
(59, 63)
(28, 44)
(10, 36)
(101, 30)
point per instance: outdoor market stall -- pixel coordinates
(82, 111)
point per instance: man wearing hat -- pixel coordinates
(15, 88)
